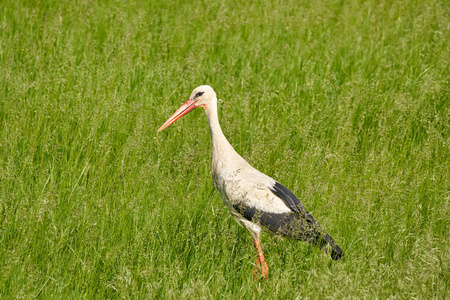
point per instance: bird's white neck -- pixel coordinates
(223, 154)
(220, 144)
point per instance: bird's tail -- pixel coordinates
(336, 251)
(326, 241)
(322, 240)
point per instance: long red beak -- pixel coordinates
(184, 109)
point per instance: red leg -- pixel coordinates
(260, 265)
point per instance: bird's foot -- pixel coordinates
(261, 270)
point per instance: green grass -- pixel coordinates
(344, 102)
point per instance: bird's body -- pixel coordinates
(255, 200)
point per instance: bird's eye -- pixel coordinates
(199, 94)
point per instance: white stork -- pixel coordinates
(255, 200)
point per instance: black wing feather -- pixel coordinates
(311, 232)
(287, 196)
(291, 200)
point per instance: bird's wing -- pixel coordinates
(256, 191)
(259, 198)
(262, 200)
(260, 185)
(307, 228)
(251, 192)
(287, 196)
(291, 201)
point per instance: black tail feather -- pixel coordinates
(336, 251)
(322, 240)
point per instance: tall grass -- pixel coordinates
(344, 102)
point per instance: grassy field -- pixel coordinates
(344, 102)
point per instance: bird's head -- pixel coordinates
(202, 96)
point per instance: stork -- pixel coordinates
(254, 199)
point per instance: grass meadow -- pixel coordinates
(344, 102)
